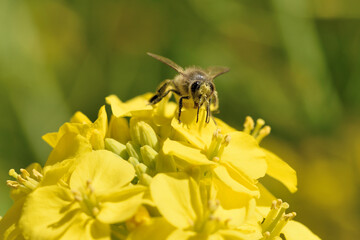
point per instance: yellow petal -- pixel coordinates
(244, 153)
(79, 117)
(241, 235)
(47, 213)
(184, 152)
(119, 129)
(281, 171)
(51, 138)
(69, 146)
(9, 223)
(86, 228)
(294, 230)
(184, 235)
(227, 187)
(177, 198)
(121, 109)
(158, 229)
(121, 205)
(198, 133)
(106, 171)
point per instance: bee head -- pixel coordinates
(201, 91)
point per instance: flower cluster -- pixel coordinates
(145, 175)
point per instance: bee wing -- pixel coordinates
(168, 62)
(216, 71)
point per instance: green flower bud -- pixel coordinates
(149, 156)
(133, 150)
(143, 134)
(133, 161)
(116, 147)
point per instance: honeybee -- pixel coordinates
(191, 83)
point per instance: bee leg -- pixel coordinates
(197, 114)
(207, 112)
(180, 105)
(215, 102)
(160, 93)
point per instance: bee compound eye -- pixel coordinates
(195, 86)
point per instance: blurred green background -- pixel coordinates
(295, 64)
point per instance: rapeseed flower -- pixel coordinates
(143, 174)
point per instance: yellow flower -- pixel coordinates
(78, 136)
(189, 213)
(234, 160)
(26, 182)
(98, 194)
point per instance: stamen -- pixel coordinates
(217, 145)
(266, 235)
(259, 124)
(12, 173)
(95, 211)
(13, 184)
(248, 124)
(276, 219)
(24, 181)
(25, 173)
(263, 133)
(37, 174)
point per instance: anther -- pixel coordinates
(266, 235)
(259, 124)
(227, 140)
(95, 211)
(265, 131)
(13, 184)
(216, 133)
(13, 173)
(25, 173)
(37, 174)
(248, 124)
(216, 159)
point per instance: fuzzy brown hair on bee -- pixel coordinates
(192, 83)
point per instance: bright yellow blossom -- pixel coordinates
(98, 194)
(145, 175)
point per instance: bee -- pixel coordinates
(192, 83)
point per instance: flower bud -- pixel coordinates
(149, 156)
(142, 133)
(116, 147)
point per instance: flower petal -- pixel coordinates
(47, 213)
(228, 186)
(281, 171)
(9, 223)
(69, 146)
(158, 229)
(121, 109)
(177, 198)
(122, 205)
(106, 171)
(184, 152)
(241, 235)
(244, 153)
(294, 230)
(198, 133)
